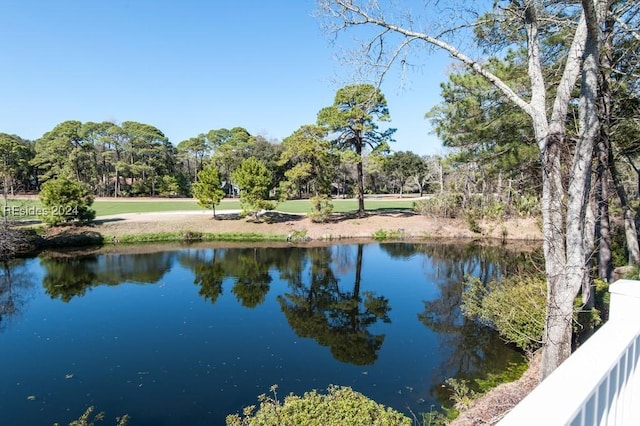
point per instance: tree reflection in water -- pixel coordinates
(69, 276)
(248, 268)
(252, 278)
(16, 284)
(317, 304)
(335, 318)
(472, 351)
(208, 273)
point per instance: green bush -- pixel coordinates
(515, 307)
(89, 419)
(64, 200)
(471, 217)
(321, 209)
(140, 188)
(493, 210)
(339, 406)
(254, 179)
(446, 205)
(169, 186)
(388, 234)
(591, 318)
(526, 205)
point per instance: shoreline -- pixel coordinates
(285, 229)
(401, 224)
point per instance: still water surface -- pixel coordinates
(189, 335)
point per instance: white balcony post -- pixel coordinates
(625, 300)
(599, 384)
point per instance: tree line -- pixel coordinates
(347, 152)
(133, 159)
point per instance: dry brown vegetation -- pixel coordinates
(490, 408)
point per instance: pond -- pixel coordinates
(188, 335)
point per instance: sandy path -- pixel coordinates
(407, 224)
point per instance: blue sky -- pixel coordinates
(186, 67)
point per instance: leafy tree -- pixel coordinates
(14, 159)
(230, 149)
(15, 154)
(99, 137)
(208, 190)
(617, 148)
(269, 153)
(568, 241)
(403, 165)
(351, 121)
(483, 127)
(309, 161)
(149, 155)
(168, 186)
(64, 151)
(112, 153)
(197, 149)
(64, 200)
(254, 180)
(375, 178)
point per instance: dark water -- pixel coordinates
(187, 336)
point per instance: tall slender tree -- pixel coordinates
(352, 124)
(208, 190)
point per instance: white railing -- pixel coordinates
(599, 384)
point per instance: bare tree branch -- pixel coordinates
(351, 14)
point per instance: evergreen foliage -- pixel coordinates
(208, 189)
(254, 180)
(514, 306)
(339, 406)
(64, 200)
(352, 124)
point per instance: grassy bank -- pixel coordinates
(104, 208)
(20, 208)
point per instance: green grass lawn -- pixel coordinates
(107, 208)
(20, 209)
